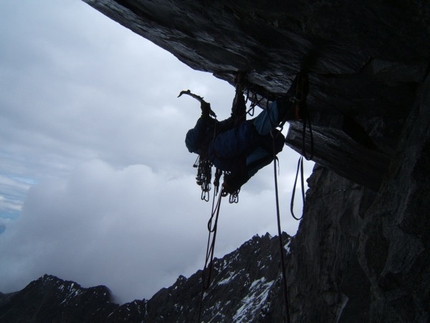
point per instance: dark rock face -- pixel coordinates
(394, 246)
(245, 287)
(50, 299)
(365, 60)
(326, 282)
(361, 255)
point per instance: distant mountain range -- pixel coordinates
(245, 287)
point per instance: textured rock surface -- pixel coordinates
(50, 299)
(362, 256)
(326, 282)
(394, 245)
(365, 58)
(245, 287)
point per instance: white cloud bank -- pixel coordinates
(131, 229)
(89, 120)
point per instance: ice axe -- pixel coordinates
(205, 106)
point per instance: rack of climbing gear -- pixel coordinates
(204, 165)
(203, 178)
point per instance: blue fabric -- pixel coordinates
(248, 145)
(231, 145)
(263, 154)
(197, 137)
(234, 142)
(268, 119)
(253, 158)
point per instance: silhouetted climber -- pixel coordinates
(237, 146)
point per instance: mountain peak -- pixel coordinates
(245, 287)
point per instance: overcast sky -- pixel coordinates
(96, 184)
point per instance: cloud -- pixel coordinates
(89, 120)
(132, 229)
(77, 89)
(105, 225)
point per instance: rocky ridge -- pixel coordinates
(245, 287)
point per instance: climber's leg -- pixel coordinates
(268, 119)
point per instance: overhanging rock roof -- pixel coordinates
(366, 61)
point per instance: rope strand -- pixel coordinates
(281, 244)
(210, 249)
(293, 194)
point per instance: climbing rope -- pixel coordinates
(204, 176)
(307, 123)
(210, 248)
(281, 244)
(293, 194)
(299, 101)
